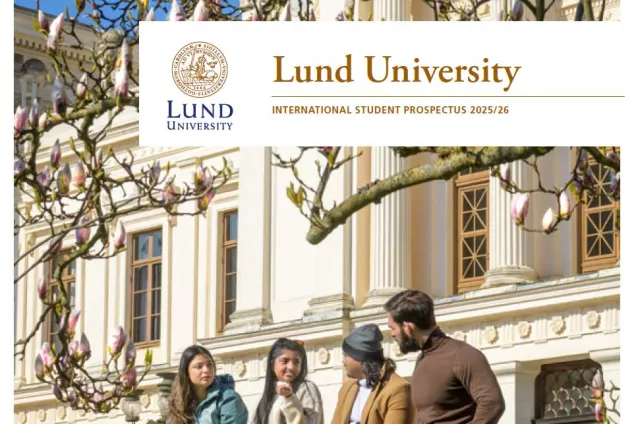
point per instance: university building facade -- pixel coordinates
(544, 309)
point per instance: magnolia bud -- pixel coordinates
(548, 221)
(39, 367)
(73, 348)
(47, 355)
(72, 321)
(64, 180)
(55, 32)
(151, 15)
(44, 177)
(205, 201)
(119, 239)
(312, 15)
(129, 378)
(42, 288)
(564, 202)
(80, 174)
(82, 233)
(42, 21)
(56, 154)
(327, 149)
(117, 340)
(599, 412)
(169, 194)
(82, 87)
(176, 13)
(121, 82)
(34, 114)
(42, 121)
(84, 348)
(19, 119)
(125, 55)
(59, 97)
(18, 167)
(200, 14)
(519, 207)
(58, 393)
(200, 179)
(517, 10)
(598, 384)
(504, 175)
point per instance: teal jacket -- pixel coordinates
(222, 405)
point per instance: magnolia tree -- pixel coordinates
(84, 194)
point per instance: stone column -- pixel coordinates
(389, 236)
(390, 10)
(517, 382)
(510, 248)
(253, 277)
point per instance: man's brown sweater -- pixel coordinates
(453, 384)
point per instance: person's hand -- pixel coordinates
(283, 389)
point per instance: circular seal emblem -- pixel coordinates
(199, 69)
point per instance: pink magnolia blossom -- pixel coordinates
(519, 207)
(564, 203)
(59, 97)
(64, 179)
(200, 13)
(42, 21)
(56, 154)
(80, 174)
(19, 119)
(84, 348)
(119, 239)
(548, 221)
(176, 13)
(82, 87)
(117, 340)
(55, 33)
(129, 378)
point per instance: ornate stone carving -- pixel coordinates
(491, 334)
(145, 400)
(239, 369)
(42, 415)
(557, 324)
(60, 413)
(323, 356)
(396, 350)
(524, 328)
(593, 319)
(22, 418)
(459, 335)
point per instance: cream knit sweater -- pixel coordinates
(303, 407)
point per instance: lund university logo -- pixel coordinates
(199, 69)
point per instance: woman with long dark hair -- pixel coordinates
(288, 397)
(200, 395)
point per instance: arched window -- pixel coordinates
(33, 73)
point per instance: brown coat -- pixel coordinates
(390, 404)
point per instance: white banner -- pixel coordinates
(357, 83)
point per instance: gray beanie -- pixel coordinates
(364, 343)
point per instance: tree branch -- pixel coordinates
(444, 170)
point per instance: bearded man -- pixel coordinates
(452, 382)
